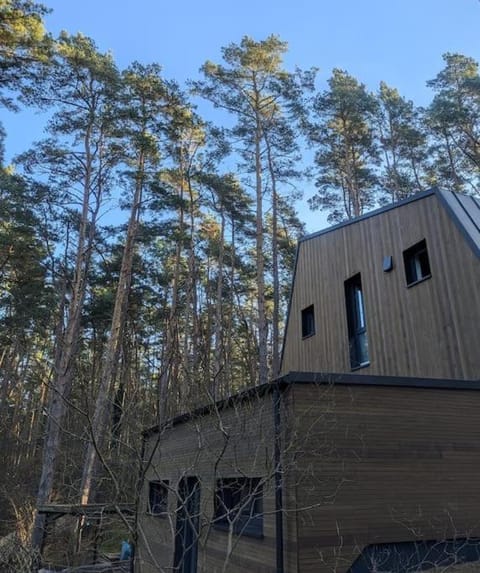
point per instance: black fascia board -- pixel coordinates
(352, 379)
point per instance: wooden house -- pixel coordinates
(328, 470)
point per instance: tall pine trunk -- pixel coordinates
(169, 367)
(67, 350)
(275, 271)
(260, 260)
(99, 425)
(219, 347)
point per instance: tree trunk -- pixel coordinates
(219, 350)
(66, 354)
(170, 353)
(98, 428)
(260, 260)
(275, 272)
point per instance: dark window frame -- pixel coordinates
(238, 503)
(308, 321)
(157, 503)
(356, 323)
(416, 263)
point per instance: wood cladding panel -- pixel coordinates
(233, 442)
(381, 465)
(430, 329)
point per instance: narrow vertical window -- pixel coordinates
(308, 322)
(357, 325)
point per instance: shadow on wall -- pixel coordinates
(416, 556)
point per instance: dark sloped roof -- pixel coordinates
(465, 212)
(463, 209)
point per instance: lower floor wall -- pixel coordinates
(374, 480)
(186, 538)
(386, 476)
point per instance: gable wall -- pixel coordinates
(428, 330)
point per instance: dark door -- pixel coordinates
(187, 528)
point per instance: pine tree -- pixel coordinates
(143, 104)
(24, 45)
(454, 121)
(347, 154)
(253, 86)
(403, 145)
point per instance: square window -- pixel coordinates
(308, 321)
(239, 505)
(158, 497)
(417, 265)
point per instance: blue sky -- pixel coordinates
(398, 41)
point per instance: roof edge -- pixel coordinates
(374, 213)
(474, 245)
(321, 378)
(217, 405)
(349, 379)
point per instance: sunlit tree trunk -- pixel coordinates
(260, 260)
(219, 346)
(66, 355)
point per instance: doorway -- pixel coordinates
(187, 526)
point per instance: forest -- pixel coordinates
(146, 253)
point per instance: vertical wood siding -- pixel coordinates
(431, 329)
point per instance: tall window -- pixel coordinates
(239, 505)
(417, 265)
(308, 322)
(357, 326)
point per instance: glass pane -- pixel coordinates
(362, 348)
(360, 311)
